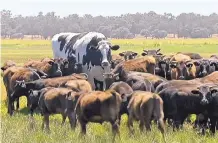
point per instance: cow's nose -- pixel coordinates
(105, 64)
(204, 102)
(204, 73)
(181, 77)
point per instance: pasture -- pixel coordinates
(17, 128)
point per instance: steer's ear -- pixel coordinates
(115, 47)
(195, 92)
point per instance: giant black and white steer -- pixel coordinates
(91, 49)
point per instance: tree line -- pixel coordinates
(151, 24)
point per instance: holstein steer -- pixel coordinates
(92, 50)
(143, 106)
(98, 106)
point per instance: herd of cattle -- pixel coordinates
(85, 83)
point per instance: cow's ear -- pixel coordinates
(213, 90)
(69, 97)
(66, 63)
(158, 50)
(123, 97)
(3, 68)
(121, 54)
(195, 92)
(51, 62)
(135, 54)
(196, 63)
(115, 47)
(30, 91)
(144, 54)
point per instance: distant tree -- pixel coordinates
(145, 33)
(123, 26)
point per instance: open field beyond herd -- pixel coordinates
(17, 128)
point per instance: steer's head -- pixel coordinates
(104, 47)
(205, 93)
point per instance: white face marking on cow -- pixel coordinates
(104, 47)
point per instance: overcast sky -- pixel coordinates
(108, 7)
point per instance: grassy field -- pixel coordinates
(17, 128)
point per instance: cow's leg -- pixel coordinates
(18, 104)
(72, 119)
(63, 119)
(46, 120)
(213, 125)
(83, 126)
(130, 123)
(115, 129)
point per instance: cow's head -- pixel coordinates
(163, 66)
(213, 65)
(53, 67)
(128, 55)
(204, 67)
(205, 93)
(151, 52)
(104, 47)
(177, 70)
(8, 64)
(117, 74)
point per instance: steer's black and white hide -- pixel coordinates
(91, 49)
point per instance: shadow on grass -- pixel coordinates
(26, 111)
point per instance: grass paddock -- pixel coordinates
(17, 128)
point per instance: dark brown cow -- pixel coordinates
(98, 106)
(124, 90)
(143, 106)
(128, 55)
(58, 101)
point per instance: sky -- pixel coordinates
(108, 7)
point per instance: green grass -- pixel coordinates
(17, 128)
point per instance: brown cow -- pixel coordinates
(143, 106)
(52, 67)
(78, 85)
(7, 64)
(10, 76)
(193, 56)
(98, 106)
(143, 64)
(58, 101)
(182, 70)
